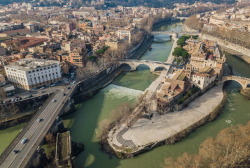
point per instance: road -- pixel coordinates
(37, 130)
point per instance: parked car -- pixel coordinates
(53, 84)
(73, 82)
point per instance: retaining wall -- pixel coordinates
(229, 46)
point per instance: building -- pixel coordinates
(74, 44)
(76, 58)
(123, 33)
(11, 33)
(206, 62)
(171, 89)
(112, 44)
(2, 80)
(2, 51)
(32, 73)
(70, 27)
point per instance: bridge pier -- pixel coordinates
(245, 92)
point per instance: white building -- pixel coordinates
(124, 34)
(32, 73)
(203, 80)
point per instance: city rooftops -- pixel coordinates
(31, 64)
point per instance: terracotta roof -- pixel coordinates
(16, 31)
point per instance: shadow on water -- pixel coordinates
(83, 125)
(139, 79)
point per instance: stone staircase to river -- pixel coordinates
(125, 143)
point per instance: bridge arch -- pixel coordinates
(244, 82)
(159, 68)
(142, 66)
(229, 80)
(126, 67)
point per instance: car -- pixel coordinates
(16, 151)
(42, 88)
(40, 119)
(53, 84)
(54, 100)
(31, 96)
(73, 82)
(69, 87)
(64, 94)
(25, 140)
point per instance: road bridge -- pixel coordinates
(153, 65)
(35, 130)
(244, 82)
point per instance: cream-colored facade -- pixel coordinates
(32, 73)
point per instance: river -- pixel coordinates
(84, 123)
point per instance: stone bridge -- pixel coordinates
(244, 82)
(175, 33)
(153, 65)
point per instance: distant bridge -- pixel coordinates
(174, 33)
(244, 82)
(153, 65)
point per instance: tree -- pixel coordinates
(2, 93)
(181, 52)
(65, 68)
(182, 40)
(231, 148)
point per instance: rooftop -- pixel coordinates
(30, 64)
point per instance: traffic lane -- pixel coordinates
(31, 131)
(33, 138)
(61, 96)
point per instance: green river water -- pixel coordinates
(84, 123)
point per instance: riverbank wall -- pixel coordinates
(18, 119)
(146, 43)
(239, 51)
(246, 92)
(22, 110)
(210, 117)
(90, 86)
(161, 23)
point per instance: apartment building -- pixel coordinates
(32, 73)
